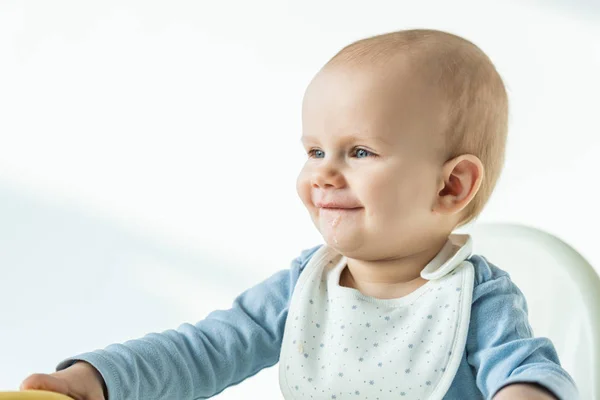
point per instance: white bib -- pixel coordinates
(341, 344)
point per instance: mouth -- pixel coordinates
(334, 208)
(339, 209)
(338, 205)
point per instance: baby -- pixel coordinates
(405, 135)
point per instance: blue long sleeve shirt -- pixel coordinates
(199, 361)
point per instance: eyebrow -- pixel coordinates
(348, 138)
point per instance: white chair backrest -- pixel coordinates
(562, 291)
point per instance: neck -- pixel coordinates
(392, 277)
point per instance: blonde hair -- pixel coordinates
(475, 100)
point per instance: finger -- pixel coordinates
(45, 382)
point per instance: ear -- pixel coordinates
(459, 183)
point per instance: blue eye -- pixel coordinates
(362, 153)
(316, 153)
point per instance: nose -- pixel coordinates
(326, 175)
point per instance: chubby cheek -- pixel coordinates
(394, 201)
(380, 200)
(303, 189)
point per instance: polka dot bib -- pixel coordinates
(341, 344)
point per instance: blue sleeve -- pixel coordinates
(201, 360)
(501, 347)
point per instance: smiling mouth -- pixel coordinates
(340, 209)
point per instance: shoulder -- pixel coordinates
(485, 271)
(493, 286)
(490, 279)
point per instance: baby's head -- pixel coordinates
(405, 134)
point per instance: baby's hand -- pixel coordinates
(524, 391)
(81, 381)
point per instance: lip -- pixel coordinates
(332, 205)
(339, 210)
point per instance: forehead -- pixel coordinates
(386, 101)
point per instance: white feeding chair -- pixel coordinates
(562, 291)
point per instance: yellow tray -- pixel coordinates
(33, 395)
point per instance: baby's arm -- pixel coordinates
(509, 361)
(199, 361)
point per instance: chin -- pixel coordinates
(342, 244)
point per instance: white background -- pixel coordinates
(149, 150)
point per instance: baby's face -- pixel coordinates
(372, 174)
